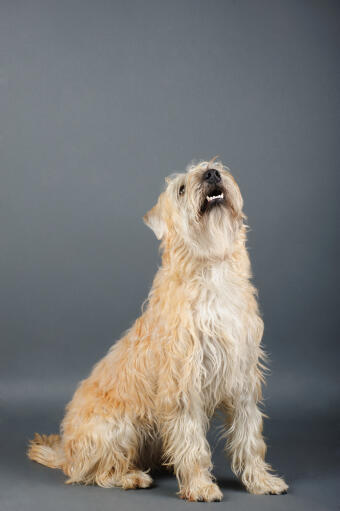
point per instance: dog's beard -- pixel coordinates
(213, 232)
(218, 231)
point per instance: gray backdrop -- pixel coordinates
(99, 101)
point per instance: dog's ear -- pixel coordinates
(155, 221)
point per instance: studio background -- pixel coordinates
(99, 101)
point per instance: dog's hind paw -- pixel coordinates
(137, 479)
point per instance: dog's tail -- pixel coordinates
(47, 450)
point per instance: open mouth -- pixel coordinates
(212, 198)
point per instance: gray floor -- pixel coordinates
(304, 450)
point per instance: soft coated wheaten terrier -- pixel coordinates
(195, 349)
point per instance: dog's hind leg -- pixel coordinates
(106, 453)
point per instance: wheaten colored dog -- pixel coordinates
(194, 350)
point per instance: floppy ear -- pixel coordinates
(154, 220)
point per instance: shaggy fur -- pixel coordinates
(195, 349)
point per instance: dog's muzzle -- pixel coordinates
(214, 193)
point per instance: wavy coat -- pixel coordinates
(195, 349)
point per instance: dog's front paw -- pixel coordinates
(265, 483)
(208, 492)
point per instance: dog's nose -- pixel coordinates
(212, 176)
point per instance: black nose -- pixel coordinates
(212, 176)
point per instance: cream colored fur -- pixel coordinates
(195, 349)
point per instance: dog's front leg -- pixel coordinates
(247, 447)
(187, 450)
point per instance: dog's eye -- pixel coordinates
(181, 190)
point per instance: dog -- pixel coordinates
(194, 350)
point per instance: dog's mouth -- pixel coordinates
(212, 198)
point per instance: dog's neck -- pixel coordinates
(179, 260)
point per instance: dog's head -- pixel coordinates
(201, 208)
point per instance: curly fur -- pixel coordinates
(195, 349)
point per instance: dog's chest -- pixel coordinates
(221, 303)
(220, 319)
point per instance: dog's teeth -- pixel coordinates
(213, 197)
